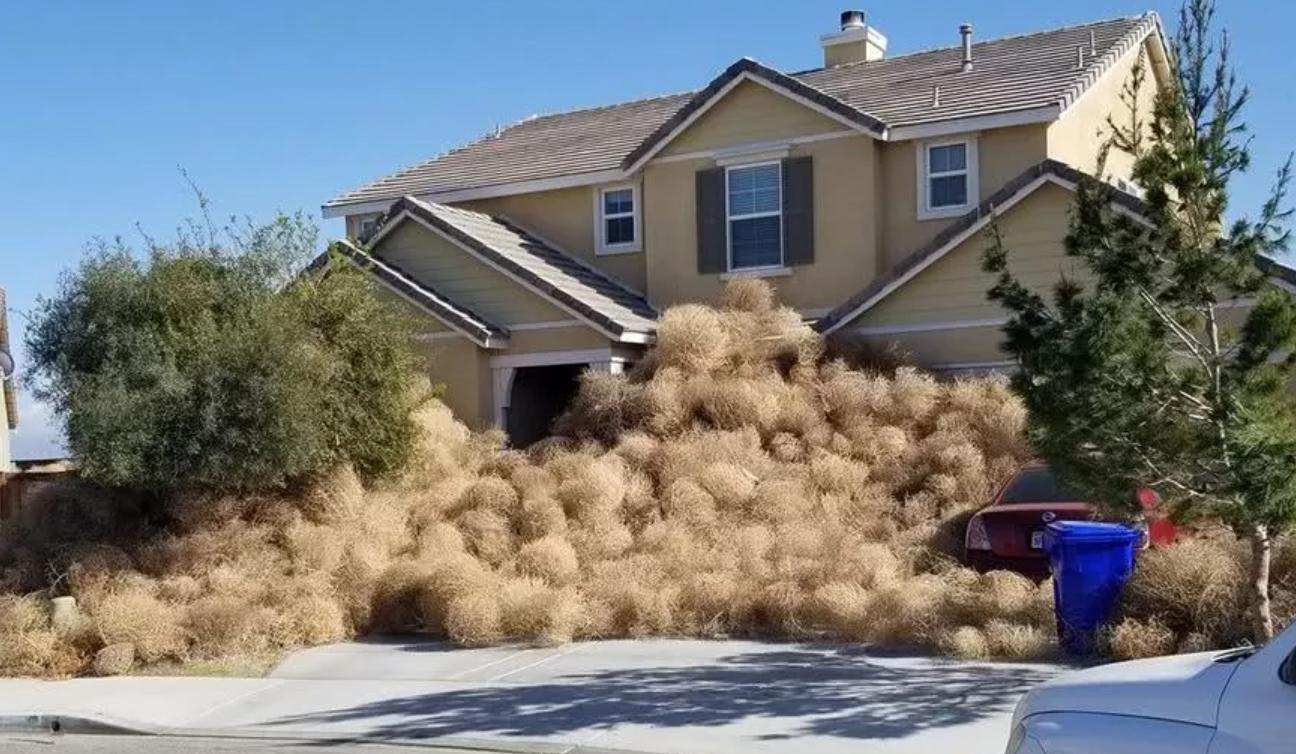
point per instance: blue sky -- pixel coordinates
(279, 105)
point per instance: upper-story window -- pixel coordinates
(948, 177)
(366, 227)
(618, 219)
(755, 215)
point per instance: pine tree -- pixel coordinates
(1168, 362)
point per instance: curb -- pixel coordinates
(77, 725)
(41, 723)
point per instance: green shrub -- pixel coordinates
(213, 364)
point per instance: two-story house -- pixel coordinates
(861, 190)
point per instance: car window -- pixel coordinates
(1036, 486)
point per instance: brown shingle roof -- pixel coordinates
(1009, 75)
(582, 289)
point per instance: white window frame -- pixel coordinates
(601, 246)
(729, 265)
(925, 176)
(362, 221)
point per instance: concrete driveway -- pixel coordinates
(645, 696)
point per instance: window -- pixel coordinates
(948, 175)
(365, 228)
(755, 215)
(618, 219)
(1036, 486)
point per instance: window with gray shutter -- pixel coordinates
(712, 252)
(798, 211)
(755, 218)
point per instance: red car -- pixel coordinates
(1009, 533)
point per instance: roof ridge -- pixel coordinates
(641, 100)
(1100, 65)
(1010, 37)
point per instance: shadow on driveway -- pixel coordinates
(806, 689)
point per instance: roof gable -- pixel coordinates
(422, 295)
(741, 71)
(750, 113)
(555, 277)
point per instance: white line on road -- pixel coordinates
(574, 648)
(228, 702)
(490, 664)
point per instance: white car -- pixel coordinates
(1236, 702)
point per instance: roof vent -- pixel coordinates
(965, 31)
(857, 42)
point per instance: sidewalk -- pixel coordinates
(647, 696)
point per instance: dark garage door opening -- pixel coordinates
(539, 395)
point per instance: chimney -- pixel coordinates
(965, 31)
(857, 42)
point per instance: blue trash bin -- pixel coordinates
(1090, 563)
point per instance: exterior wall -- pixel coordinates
(845, 209)
(944, 308)
(962, 348)
(464, 370)
(577, 337)
(29, 494)
(463, 278)
(1002, 154)
(1077, 136)
(954, 288)
(750, 113)
(566, 218)
(426, 323)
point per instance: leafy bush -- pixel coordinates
(210, 364)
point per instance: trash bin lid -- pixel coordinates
(1091, 531)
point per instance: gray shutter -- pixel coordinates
(798, 211)
(711, 237)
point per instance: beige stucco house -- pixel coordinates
(861, 190)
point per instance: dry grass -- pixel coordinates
(114, 659)
(1193, 596)
(736, 482)
(1133, 639)
(132, 615)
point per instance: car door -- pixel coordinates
(1258, 709)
